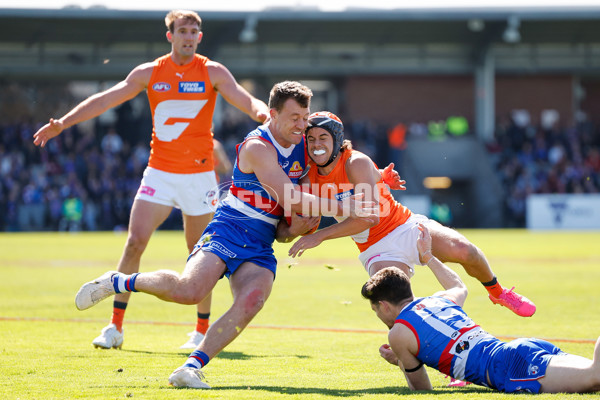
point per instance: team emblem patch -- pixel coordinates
(462, 346)
(533, 369)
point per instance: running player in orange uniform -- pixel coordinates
(182, 88)
(338, 170)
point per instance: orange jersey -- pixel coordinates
(336, 185)
(182, 101)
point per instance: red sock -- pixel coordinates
(202, 323)
(493, 287)
(118, 315)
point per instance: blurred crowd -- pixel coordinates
(87, 179)
(533, 159)
(77, 182)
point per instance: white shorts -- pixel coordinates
(192, 193)
(398, 245)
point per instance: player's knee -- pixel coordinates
(466, 252)
(136, 243)
(186, 297)
(187, 293)
(253, 302)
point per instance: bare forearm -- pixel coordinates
(100, 102)
(259, 110)
(348, 227)
(86, 110)
(445, 276)
(309, 204)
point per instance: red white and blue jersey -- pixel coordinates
(448, 339)
(248, 204)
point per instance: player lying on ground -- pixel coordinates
(338, 171)
(435, 331)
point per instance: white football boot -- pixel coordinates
(195, 339)
(188, 377)
(95, 291)
(109, 337)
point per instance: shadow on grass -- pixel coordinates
(236, 355)
(395, 390)
(227, 355)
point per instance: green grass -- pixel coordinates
(291, 350)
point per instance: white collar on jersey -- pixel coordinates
(286, 152)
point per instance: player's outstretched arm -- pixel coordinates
(136, 81)
(224, 82)
(454, 288)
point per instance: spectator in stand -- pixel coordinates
(545, 160)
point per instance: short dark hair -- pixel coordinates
(283, 91)
(189, 16)
(389, 284)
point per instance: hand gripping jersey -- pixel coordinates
(336, 185)
(182, 101)
(248, 204)
(448, 339)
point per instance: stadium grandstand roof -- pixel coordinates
(74, 39)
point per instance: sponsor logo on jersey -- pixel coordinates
(218, 247)
(296, 170)
(343, 195)
(161, 87)
(191, 87)
(147, 190)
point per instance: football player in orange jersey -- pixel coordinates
(336, 169)
(182, 88)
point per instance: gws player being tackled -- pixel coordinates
(392, 241)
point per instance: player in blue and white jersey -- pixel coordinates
(238, 242)
(248, 202)
(435, 331)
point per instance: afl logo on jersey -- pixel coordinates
(161, 87)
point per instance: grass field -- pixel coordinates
(316, 338)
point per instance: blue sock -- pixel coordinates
(124, 283)
(197, 359)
